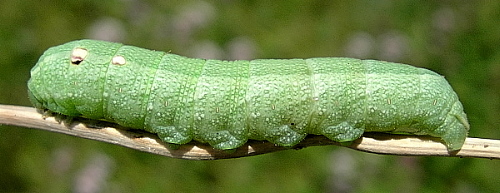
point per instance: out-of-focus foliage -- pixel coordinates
(458, 39)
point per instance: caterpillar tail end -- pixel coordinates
(457, 128)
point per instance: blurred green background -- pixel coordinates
(458, 39)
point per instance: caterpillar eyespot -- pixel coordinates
(118, 60)
(78, 55)
(225, 103)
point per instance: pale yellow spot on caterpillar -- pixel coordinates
(78, 55)
(217, 110)
(118, 60)
(273, 107)
(389, 101)
(435, 102)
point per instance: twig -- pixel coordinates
(379, 143)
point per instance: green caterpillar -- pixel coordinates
(225, 103)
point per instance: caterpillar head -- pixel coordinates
(66, 78)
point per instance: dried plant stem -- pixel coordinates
(379, 143)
